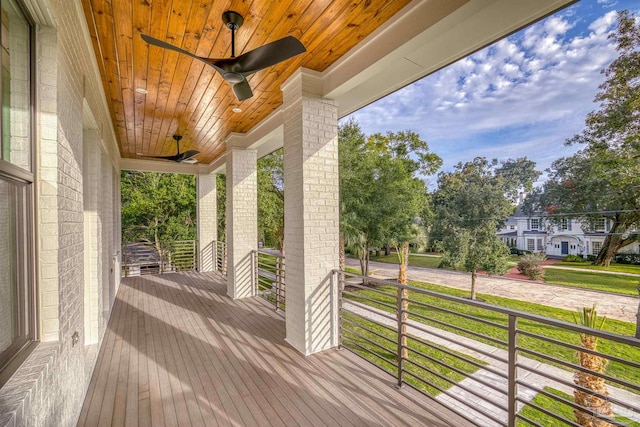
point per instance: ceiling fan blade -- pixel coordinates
(262, 57)
(188, 154)
(173, 158)
(165, 45)
(242, 90)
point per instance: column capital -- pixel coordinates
(235, 141)
(303, 82)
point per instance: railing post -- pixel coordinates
(254, 269)
(277, 283)
(512, 392)
(340, 296)
(402, 334)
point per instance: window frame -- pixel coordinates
(564, 225)
(537, 224)
(26, 229)
(593, 247)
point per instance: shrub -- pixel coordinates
(573, 258)
(530, 265)
(627, 259)
(516, 251)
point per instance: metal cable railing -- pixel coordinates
(270, 278)
(490, 364)
(142, 258)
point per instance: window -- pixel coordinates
(17, 293)
(595, 248)
(512, 227)
(16, 86)
(531, 244)
(564, 225)
(535, 224)
(539, 244)
(599, 225)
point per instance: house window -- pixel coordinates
(531, 244)
(595, 247)
(599, 224)
(539, 244)
(17, 293)
(512, 227)
(564, 225)
(535, 224)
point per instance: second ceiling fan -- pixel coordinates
(235, 70)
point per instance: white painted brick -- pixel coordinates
(242, 220)
(311, 214)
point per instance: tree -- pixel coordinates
(603, 179)
(470, 204)
(221, 202)
(380, 194)
(158, 207)
(271, 199)
(596, 405)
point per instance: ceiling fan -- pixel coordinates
(186, 157)
(235, 70)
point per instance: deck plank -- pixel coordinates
(178, 351)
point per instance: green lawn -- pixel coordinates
(626, 285)
(414, 261)
(450, 319)
(618, 268)
(378, 344)
(558, 408)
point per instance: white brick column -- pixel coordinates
(310, 212)
(242, 217)
(207, 221)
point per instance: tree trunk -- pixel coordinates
(613, 242)
(403, 257)
(386, 249)
(592, 382)
(474, 275)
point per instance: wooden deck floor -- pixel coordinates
(178, 351)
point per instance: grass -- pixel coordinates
(617, 268)
(448, 321)
(558, 408)
(414, 261)
(626, 285)
(378, 344)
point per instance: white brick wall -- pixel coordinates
(311, 213)
(242, 220)
(48, 389)
(207, 221)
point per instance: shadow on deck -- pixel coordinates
(178, 351)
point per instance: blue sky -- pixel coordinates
(522, 96)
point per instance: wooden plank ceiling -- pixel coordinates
(185, 96)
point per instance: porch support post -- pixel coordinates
(242, 217)
(207, 221)
(311, 212)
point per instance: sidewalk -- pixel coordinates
(454, 341)
(613, 306)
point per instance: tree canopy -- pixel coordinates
(381, 192)
(602, 180)
(158, 206)
(271, 199)
(470, 204)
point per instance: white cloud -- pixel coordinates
(544, 78)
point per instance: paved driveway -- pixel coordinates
(610, 305)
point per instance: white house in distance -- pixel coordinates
(536, 233)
